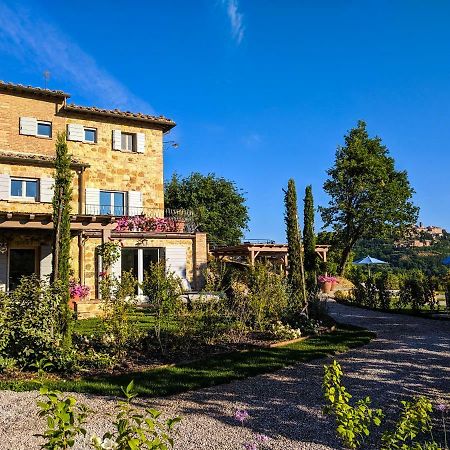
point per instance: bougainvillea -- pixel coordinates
(78, 290)
(143, 223)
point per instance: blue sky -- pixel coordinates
(261, 90)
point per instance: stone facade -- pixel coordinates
(103, 169)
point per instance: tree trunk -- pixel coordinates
(344, 258)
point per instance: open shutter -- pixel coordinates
(46, 262)
(134, 203)
(92, 201)
(28, 126)
(116, 268)
(176, 263)
(140, 142)
(117, 140)
(46, 189)
(4, 186)
(75, 132)
(3, 271)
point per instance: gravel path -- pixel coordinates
(409, 356)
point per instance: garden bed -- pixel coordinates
(203, 372)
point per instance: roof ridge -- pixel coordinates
(33, 89)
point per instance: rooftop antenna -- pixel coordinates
(46, 78)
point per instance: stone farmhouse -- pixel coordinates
(117, 163)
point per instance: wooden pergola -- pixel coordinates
(251, 252)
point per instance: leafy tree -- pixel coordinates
(295, 262)
(369, 198)
(62, 197)
(309, 240)
(218, 205)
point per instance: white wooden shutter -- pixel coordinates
(92, 201)
(46, 262)
(75, 132)
(117, 140)
(176, 263)
(134, 203)
(46, 187)
(140, 142)
(3, 271)
(28, 126)
(116, 268)
(4, 186)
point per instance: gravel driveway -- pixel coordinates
(409, 356)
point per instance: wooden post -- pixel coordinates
(81, 191)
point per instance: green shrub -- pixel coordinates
(118, 298)
(260, 296)
(163, 291)
(354, 422)
(32, 324)
(417, 291)
(132, 430)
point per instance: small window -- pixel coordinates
(112, 203)
(44, 129)
(128, 142)
(24, 188)
(90, 135)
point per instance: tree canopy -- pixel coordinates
(218, 205)
(369, 198)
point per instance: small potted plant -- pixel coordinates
(328, 283)
(77, 292)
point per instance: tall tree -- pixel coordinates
(295, 261)
(369, 198)
(62, 197)
(218, 205)
(309, 240)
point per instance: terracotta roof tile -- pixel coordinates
(32, 90)
(35, 157)
(166, 123)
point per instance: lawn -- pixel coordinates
(214, 370)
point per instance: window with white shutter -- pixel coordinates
(117, 140)
(4, 186)
(92, 201)
(28, 126)
(46, 188)
(75, 132)
(176, 263)
(140, 142)
(135, 203)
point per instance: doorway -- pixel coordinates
(22, 262)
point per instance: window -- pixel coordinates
(90, 135)
(128, 141)
(138, 260)
(112, 203)
(44, 129)
(24, 188)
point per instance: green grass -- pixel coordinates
(213, 370)
(141, 318)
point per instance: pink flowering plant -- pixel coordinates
(143, 223)
(327, 279)
(78, 290)
(259, 440)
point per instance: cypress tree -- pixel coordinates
(309, 240)
(62, 197)
(295, 263)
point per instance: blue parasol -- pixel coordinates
(368, 261)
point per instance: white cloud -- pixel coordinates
(42, 45)
(236, 19)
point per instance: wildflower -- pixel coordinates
(96, 441)
(250, 446)
(261, 437)
(441, 407)
(241, 415)
(108, 444)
